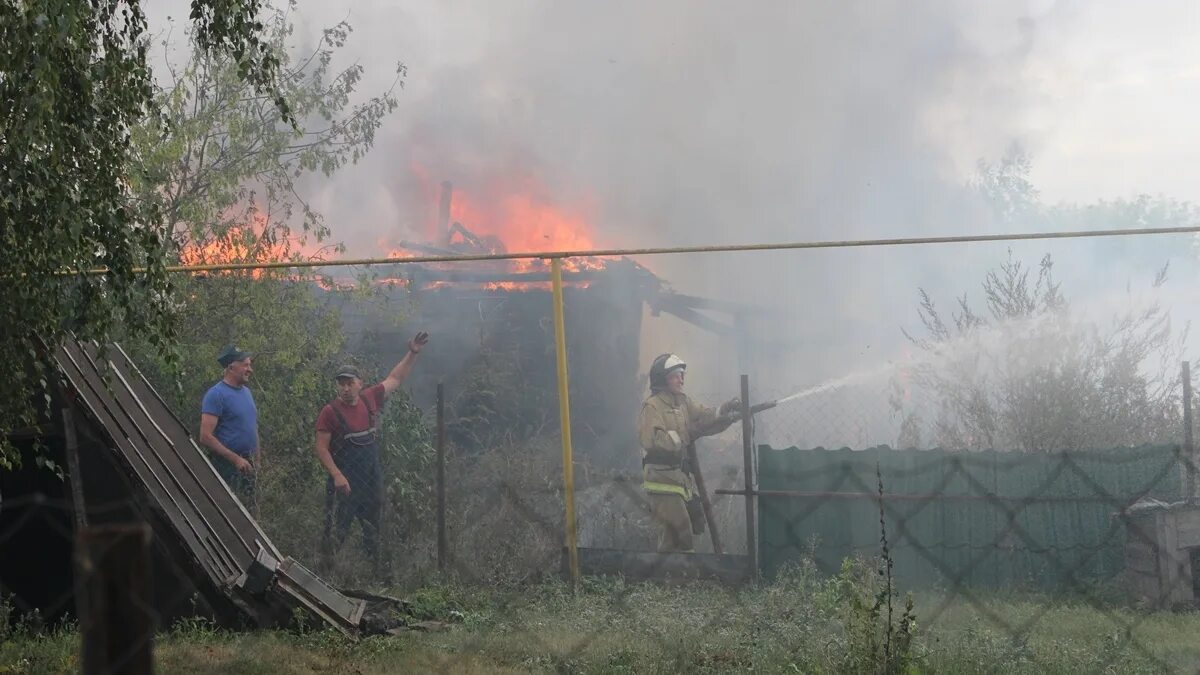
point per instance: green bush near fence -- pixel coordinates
(1045, 522)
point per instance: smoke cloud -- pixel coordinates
(694, 123)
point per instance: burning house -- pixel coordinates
(495, 338)
(495, 349)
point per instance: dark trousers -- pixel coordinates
(360, 465)
(242, 484)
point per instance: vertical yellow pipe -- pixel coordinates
(564, 416)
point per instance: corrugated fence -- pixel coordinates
(980, 519)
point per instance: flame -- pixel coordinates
(239, 244)
(522, 223)
(512, 211)
(508, 215)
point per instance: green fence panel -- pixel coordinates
(961, 520)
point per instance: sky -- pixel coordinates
(685, 122)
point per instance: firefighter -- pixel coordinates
(669, 423)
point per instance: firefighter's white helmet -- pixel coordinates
(663, 366)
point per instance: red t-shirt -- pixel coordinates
(357, 416)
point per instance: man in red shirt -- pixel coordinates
(348, 447)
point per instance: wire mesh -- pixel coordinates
(856, 468)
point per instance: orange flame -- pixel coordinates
(523, 223)
(257, 240)
(239, 244)
(509, 215)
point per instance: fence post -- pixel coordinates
(116, 614)
(74, 473)
(748, 470)
(1189, 450)
(441, 478)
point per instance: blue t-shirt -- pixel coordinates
(237, 417)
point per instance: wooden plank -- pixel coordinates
(202, 518)
(94, 396)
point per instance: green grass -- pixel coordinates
(797, 624)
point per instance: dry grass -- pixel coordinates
(795, 624)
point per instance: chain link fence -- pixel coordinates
(863, 485)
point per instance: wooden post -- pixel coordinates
(75, 475)
(116, 614)
(748, 470)
(441, 478)
(1189, 449)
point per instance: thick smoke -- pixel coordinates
(703, 123)
(692, 123)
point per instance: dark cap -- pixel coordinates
(345, 371)
(230, 354)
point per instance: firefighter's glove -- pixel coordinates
(730, 407)
(695, 511)
(674, 436)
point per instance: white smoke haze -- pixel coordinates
(695, 123)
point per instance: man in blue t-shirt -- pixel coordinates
(229, 423)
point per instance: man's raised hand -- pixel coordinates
(418, 342)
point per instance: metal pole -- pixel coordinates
(748, 470)
(925, 497)
(1189, 450)
(564, 417)
(628, 252)
(441, 478)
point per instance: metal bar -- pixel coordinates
(1189, 449)
(441, 478)
(874, 496)
(748, 471)
(614, 252)
(564, 418)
